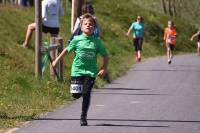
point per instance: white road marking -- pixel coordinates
(134, 102)
(100, 105)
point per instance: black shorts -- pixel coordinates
(50, 30)
(170, 46)
(137, 42)
(86, 82)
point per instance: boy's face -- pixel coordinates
(139, 18)
(87, 26)
(169, 24)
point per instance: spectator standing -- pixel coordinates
(51, 10)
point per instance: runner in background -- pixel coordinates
(170, 35)
(197, 34)
(86, 8)
(137, 29)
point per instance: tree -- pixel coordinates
(174, 7)
(164, 6)
(169, 7)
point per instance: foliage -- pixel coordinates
(186, 9)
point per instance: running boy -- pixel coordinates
(84, 67)
(170, 35)
(197, 34)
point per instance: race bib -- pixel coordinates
(76, 88)
(171, 39)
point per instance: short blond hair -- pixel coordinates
(171, 22)
(88, 16)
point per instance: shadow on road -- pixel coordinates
(118, 125)
(131, 89)
(148, 94)
(99, 92)
(122, 120)
(168, 70)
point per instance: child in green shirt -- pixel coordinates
(84, 67)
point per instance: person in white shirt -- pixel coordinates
(86, 8)
(51, 10)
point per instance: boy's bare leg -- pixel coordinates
(29, 32)
(171, 54)
(198, 48)
(135, 56)
(139, 55)
(168, 55)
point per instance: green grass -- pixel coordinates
(23, 97)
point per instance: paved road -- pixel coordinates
(153, 97)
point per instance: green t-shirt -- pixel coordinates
(86, 49)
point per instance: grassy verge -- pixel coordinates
(23, 97)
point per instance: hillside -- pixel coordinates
(23, 97)
(188, 9)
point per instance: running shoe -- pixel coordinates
(83, 122)
(169, 61)
(139, 59)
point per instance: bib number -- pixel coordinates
(76, 88)
(171, 39)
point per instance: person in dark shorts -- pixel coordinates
(138, 33)
(50, 30)
(197, 34)
(84, 68)
(51, 10)
(170, 35)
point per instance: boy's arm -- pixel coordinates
(176, 34)
(193, 36)
(103, 70)
(129, 30)
(63, 53)
(165, 34)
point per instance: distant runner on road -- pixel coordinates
(197, 34)
(138, 33)
(170, 35)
